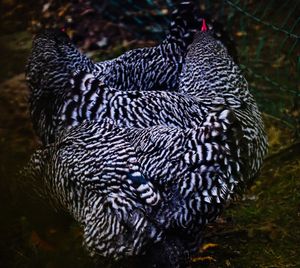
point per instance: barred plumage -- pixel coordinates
(155, 68)
(131, 187)
(143, 166)
(93, 173)
(210, 73)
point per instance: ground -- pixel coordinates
(260, 229)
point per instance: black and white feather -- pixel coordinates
(54, 60)
(143, 166)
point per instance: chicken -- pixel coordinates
(143, 169)
(142, 190)
(54, 60)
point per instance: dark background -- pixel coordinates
(261, 229)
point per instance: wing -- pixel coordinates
(90, 99)
(197, 170)
(93, 173)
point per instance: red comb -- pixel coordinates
(204, 26)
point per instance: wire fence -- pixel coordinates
(267, 35)
(268, 44)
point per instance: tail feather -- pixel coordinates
(184, 22)
(53, 58)
(52, 61)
